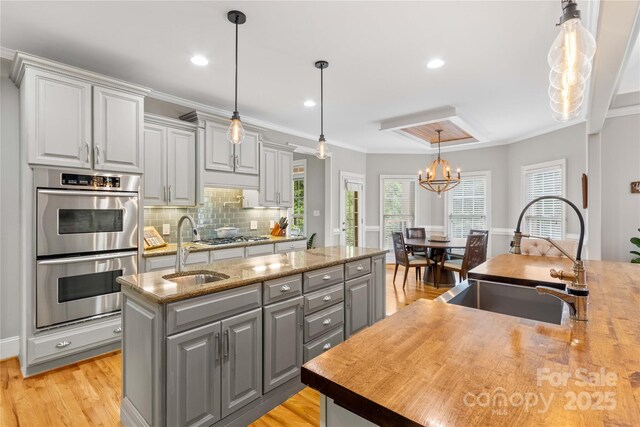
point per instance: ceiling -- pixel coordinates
(495, 53)
(630, 79)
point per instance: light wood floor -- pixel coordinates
(88, 393)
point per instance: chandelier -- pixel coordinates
(438, 175)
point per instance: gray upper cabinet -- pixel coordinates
(221, 155)
(379, 277)
(359, 304)
(193, 370)
(242, 360)
(283, 335)
(181, 166)
(155, 160)
(276, 175)
(285, 179)
(118, 119)
(248, 154)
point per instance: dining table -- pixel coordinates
(435, 250)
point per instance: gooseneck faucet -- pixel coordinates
(183, 253)
(576, 295)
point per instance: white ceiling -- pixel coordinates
(495, 52)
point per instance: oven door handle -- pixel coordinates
(88, 193)
(99, 257)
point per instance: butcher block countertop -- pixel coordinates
(242, 272)
(172, 248)
(439, 364)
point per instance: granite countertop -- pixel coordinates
(440, 364)
(171, 248)
(242, 272)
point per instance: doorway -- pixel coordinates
(352, 209)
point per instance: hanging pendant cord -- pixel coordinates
(321, 101)
(439, 131)
(236, 97)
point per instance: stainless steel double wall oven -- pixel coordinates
(87, 234)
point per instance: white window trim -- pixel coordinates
(303, 163)
(487, 175)
(540, 167)
(381, 191)
(359, 178)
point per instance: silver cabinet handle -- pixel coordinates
(170, 191)
(226, 349)
(96, 153)
(360, 268)
(326, 277)
(285, 288)
(327, 346)
(326, 298)
(63, 344)
(164, 190)
(218, 347)
(237, 164)
(327, 322)
(301, 316)
(118, 330)
(88, 151)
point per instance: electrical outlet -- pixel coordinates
(271, 223)
(166, 229)
(254, 225)
(316, 213)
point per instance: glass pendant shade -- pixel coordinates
(321, 149)
(235, 132)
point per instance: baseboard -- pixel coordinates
(9, 347)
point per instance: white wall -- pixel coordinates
(315, 196)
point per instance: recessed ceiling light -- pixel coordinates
(435, 63)
(199, 60)
(309, 103)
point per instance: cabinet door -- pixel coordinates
(242, 360)
(379, 275)
(285, 179)
(282, 342)
(268, 176)
(193, 377)
(118, 122)
(218, 152)
(58, 120)
(155, 165)
(358, 299)
(181, 167)
(248, 155)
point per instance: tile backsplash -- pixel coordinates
(213, 214)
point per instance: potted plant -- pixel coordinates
(635, 241)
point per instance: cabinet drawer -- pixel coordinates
(62, 344)
(197, 258)
(258, 250)
(322, 278)
(230, 253)
(159, 263)
(297, 245)
(322, 344)
(357, 268)
(280, 289)
(323, 321)
(323, 298)
(183, 315)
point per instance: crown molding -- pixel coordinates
(167, 121)
(7, 53)
(623, 111)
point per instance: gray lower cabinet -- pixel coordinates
(283, 334)
(379, 274)
(359, 304)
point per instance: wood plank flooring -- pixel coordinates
(88, 393)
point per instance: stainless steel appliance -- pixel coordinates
(86, 235)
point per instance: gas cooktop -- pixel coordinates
(237, 239)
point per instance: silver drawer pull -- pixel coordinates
(285, 288)
(63, 344)
(326, 322)
(360, 268)
(327, 298)
(117, 330)
(292, 246)
(327, 346)
(326, 277)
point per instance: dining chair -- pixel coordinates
(459, 255)
(406, 260)
(475, 254)
(415, 233)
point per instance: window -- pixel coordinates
(467, 205)
(353, 216)
(398, 206)
(299, 209)
(545, 218)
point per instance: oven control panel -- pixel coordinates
(90, 180)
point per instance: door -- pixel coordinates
(379, 283)
(268, 176)
(155, 165)
(181, 167)
(285, 179)
(358, 299)
(118, 128)
(242, 360)
(352, 209)
(218, 151)
(248, 155)
(193, 377)
(58, 120)
(283, 323)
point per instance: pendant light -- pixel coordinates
(235, 133)
(321, 151)
(438, 175)
(570, 61)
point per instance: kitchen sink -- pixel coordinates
(513, 300)
(191, 278)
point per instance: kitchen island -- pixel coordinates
(228, 348)
(441, 364)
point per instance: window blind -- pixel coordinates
(399, 206)
(467, 206)
(546, 217)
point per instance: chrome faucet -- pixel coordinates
(183, 253)
(576, 295)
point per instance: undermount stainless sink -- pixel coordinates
(199, 277)
(513, 300)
